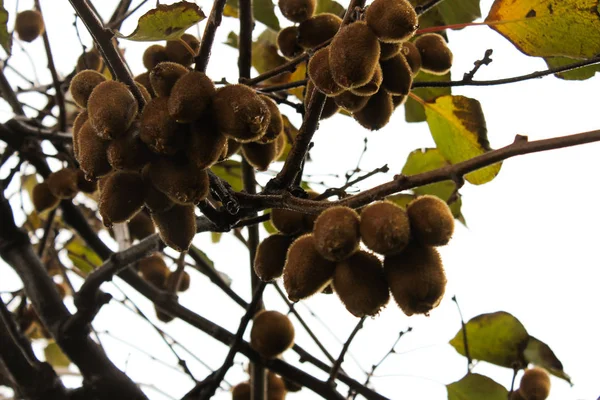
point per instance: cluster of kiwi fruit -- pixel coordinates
(369, 66)
(534, 385)
(331, 255)
(277, 388)
(29, 25)
(62, 184)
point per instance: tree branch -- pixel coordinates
(208, 38)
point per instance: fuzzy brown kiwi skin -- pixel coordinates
(176, 226)
(353, 55)
(392, 20)
(179, 54)
(154, 199)
(91, 153)
(413, 57)
(275, 127)
(205, 143)
(29, 25)
(122, 197)
(43, 199)
(535, 384)
(306, 272)
(337, 233)
(272, 333)
(350, 101)
(270, 256)
(385, 227)
(63, 183)
(161, 133)
(287, 42)
(128, 153)
(297, 10)
(111, 109)
(190, 96)
(318, 29)
(140, 226)
(154, 270)
(81, 118)
(153, 55)
(232, 148)
(82, 85)
(89, 60)
(184, 283)
(377, 112)
(329, 108)
(85, 185)
(288, 222)
(371, 87)
(436, 57)
(389, 50)
(319, 72)
(260, 155)
(397, 75)
(360, 284)
(163, 77)
(431, 220)
(397, 101)
(144, 80)
(180, 181)
(241, 391)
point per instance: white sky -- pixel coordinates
(529, 248)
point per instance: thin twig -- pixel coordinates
(338, 363)
(208, 38)
(464, 335)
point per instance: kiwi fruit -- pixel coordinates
(276, 389)
(82, 85)
(153, 55)
(319, 73)
(161, 133)
(377, 112)
(272, 333)
(287, 42)
(260, 155)
(184, 283)
(205, 143)
(392, 20)
(179, 53)
(231, 148)
(337, 233)
(121, 197)
(91, 152)
(288, 222)
(329, 108)
(516, 395)
(389, 50)
(350, 102)
(112, 109)
(241, 391)
(275, 127)
(190, 96)
(297, 10)
(371, 87)
(29, 24)
(81, 118)
(384, 227)
(144, 80)
(163, 77)
(309, 219)
(306, 271)
(436, 56)
(535, 384)
(360, 284)
(318, 29)
(176, 226)
(154, 270)
(416, 278)
(180, 180)
(397, 75)
(89, 60)
(84, 185)
(42, 197)
(140, 226)
(431, 220)
(398, 100)
(63, 183)
(145, 93)
(128, 152)
(353, 55)
(154, 199)
(413, 57)
(270, 256)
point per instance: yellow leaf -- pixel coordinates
(82, 257)
(230, 11)
(298, 75)
(5, 37)
(55, 356)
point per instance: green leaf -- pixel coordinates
(540, 354)
(329, 6)
(5, 37)
(579, 74)
(231, 171)
(545, 28)
(82, 257)
(449, 12)
(401, 199)
(498, 338)
(55, 356)
(414, 111)
(268, 225)
(456, 208)
(476, 387)
(291, 132)
(166, 22)
(458, 127)
(263, 10)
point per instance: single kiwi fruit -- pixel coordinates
(377, 112)
(350, 102)
(145, 93)
(287, 42)
(63, 183)
(81, 118)
(297, 10)
(306, 271)
(29, 24)
(176, 226)
(112, 109)
(205, 143)
(288, 222)
(241, 391)
(154, 270)
(431, 220)
(413, 57)
(389, 50)
(535, 384)
(140, 226)
(270, 256)
(121, 197)
(272, 333)
(180, 180)
(436, 56)
(184, 283)
(128, 152)
(89, 60)
(371, 87)
(318, 29)
(180, 53)
(397, 75)
(82, 85)
(276, 389)
(392, 20)
(384, 227)
(91, 152)
(360, 284)
(337, 233)
(232, 148)
(309, 219)
(153, 55)
(260, 155)
(516, 395)
(329, 108)
(275, 127)
(354, 55)
(161, 133)
(164, 75)
(144, 80)
(190, 96)
(319, 72)
(86, 185)
(154, 199)
(43, 199)
(416, 278)
(398, 100)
